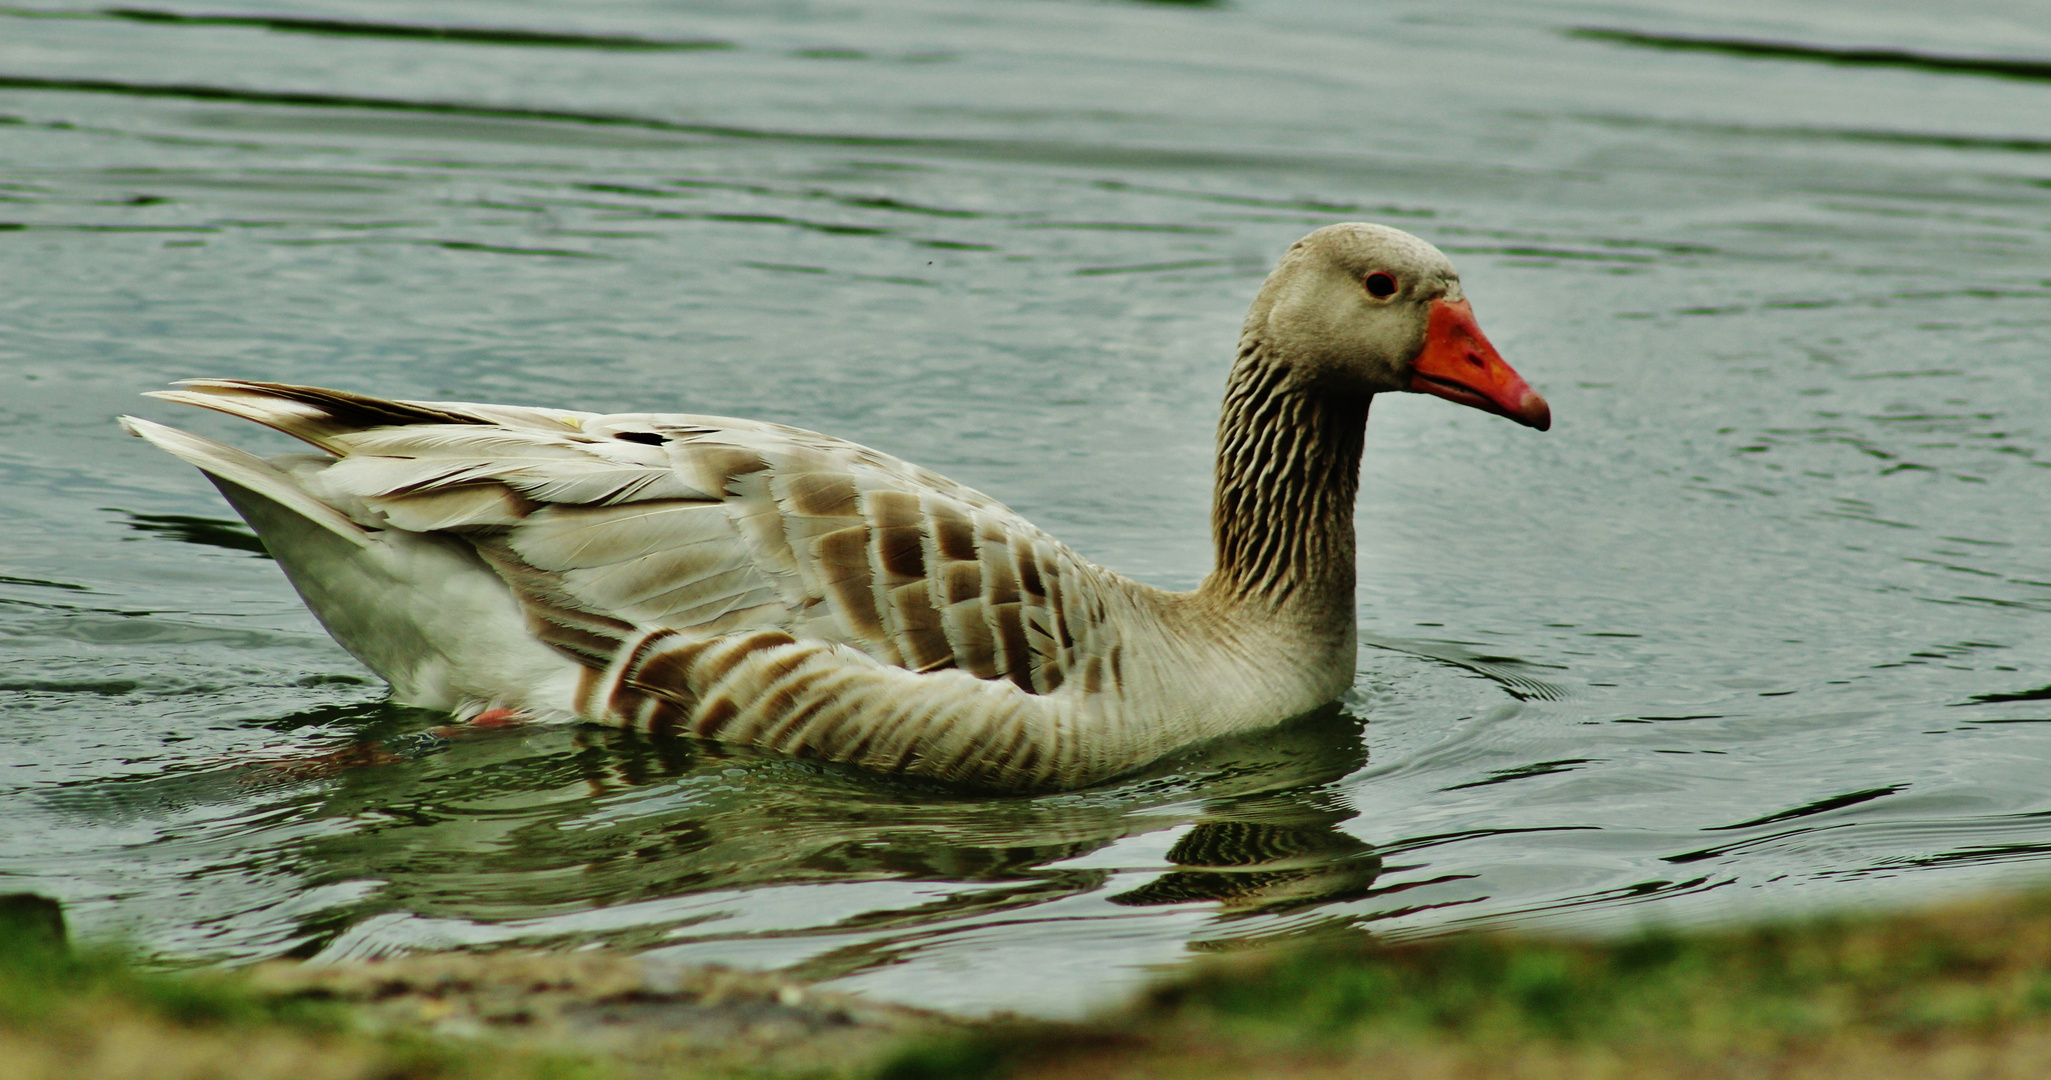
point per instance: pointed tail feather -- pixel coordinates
(247, 470)
(311, 413)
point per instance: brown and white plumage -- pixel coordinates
(760, 584)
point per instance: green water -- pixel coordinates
(1758, 626)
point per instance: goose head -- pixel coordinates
(1366, 309)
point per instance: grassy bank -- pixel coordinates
(92, 1015)
(1960, 991)
(70, 1015)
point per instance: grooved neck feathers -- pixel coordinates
(1287, 473)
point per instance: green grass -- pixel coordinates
(1672, 1003)
(89, 1013)
(1779, 982)
(41, 978)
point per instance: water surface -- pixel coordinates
(1757, 627)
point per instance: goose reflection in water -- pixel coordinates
(571, 836)
(1266, 853)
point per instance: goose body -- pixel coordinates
(754, 583)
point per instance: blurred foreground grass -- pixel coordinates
(69, 1015)
(514, 1015)
(1959, 991)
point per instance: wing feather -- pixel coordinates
(455, 507)
(566, 537)
(609, 526)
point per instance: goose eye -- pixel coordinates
(1381, 285)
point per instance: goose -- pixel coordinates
(757, 584)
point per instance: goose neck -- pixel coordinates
(1287, 473)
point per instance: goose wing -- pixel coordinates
(605, 526)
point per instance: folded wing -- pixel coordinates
(608, 526)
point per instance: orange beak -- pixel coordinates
(1459, 364)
